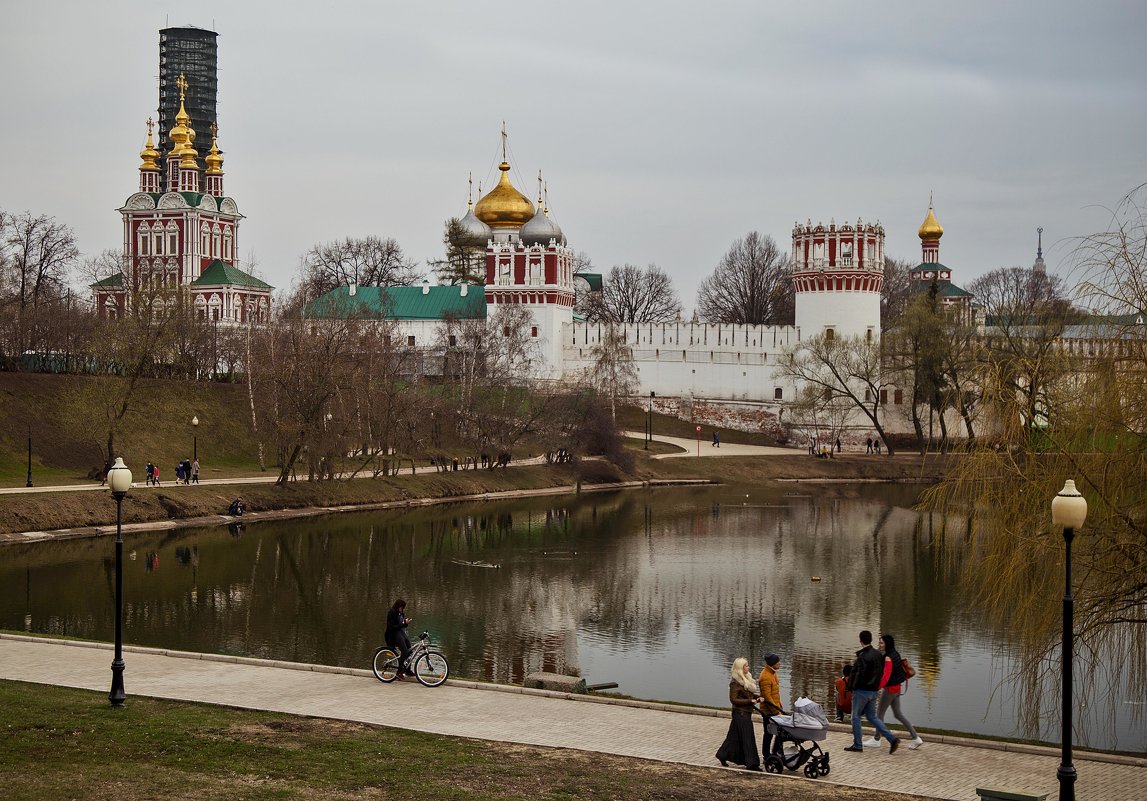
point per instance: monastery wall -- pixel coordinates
(694, 360)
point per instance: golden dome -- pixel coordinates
(931, 228)
(182, 134)
(149, 154)
(504, 206)
(214, 157)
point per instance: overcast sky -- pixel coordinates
(665, 130)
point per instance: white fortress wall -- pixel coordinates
(699, 360)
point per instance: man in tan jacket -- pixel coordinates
(770, 701)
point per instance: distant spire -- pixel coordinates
(470, 190)
(503, 140)
(1039, 266)
(539, 188)
(546, 195)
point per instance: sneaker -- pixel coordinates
(856, 749)
(872, 742)
(916, 743)
(892, 746)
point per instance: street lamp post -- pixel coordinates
(648, 421)
(194, 438)
(29, 458)
(119, 479)
(1068, 511)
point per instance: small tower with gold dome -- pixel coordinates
(149, 171)
(931, 273)
(528, 264)
(213, 177)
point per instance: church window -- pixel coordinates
(867, 395)
(453, 341)
(227, 245)
(898, 397)
(205, 240)
(157, 241)
(868, 335)
(505, 331)
(410, 341)
(143, 239)
(216, 249)
(533, 330)
(172, 239)
(778, 394)
(883, 397)
(829, 334)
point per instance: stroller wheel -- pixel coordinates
(773, 764)
(811, 771)
(823, 770)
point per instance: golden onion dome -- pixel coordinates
(504, 206)
(149, 155)
(931, 228)
(214, 157)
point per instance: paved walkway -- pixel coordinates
(940, 769)
(708, 449)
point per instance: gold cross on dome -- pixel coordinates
(150, 123)
(181, 84)
(214, 131)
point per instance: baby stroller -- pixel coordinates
(799, 735)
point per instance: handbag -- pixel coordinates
(909, 671)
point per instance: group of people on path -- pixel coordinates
(867, 688)
(186, 472)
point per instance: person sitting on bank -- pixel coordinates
(237, 508)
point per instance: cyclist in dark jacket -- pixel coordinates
(865, 681)
(396, 636)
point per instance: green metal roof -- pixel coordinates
(220, 273)
(593, 279)
(115, 280)
(402, 303)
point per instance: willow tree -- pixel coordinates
(1087, 423)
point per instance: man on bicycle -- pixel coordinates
(396, 637)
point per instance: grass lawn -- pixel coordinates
(61, 743)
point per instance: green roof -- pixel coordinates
(220, 273)
(402, 303)
(593, 279)
(114, 280)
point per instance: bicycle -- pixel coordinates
(430, 667)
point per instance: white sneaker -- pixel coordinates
(912, 746)
(872, 742)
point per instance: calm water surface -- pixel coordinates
(657, 590)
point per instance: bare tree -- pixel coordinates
(614, 374)
(463, 264)
(1024, 316)
(752, 285)
(371, 261)
(848, 369)
(38, 253)
(587, 302)
(897, 291)
(635, 295)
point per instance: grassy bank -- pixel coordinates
(50, 511)
(63, 743)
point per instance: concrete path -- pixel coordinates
(940, 769)
(708, 449)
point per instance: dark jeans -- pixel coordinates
(402, 643)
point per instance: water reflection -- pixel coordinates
(656, 590)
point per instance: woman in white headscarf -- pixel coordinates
(740, 746)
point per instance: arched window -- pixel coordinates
(227, 244)
(778, 394)
(157, 239)
(216, 248)
(204, 240)
(172, 238)
(143, 239)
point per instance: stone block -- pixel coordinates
(1009, 794)
(555, 682)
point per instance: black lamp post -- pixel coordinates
(29, 458)
(1068, 511)
(119, 479)
(649, 420)
(194, 439)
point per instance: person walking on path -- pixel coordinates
(890, 695)
(770, 702)
(195, 472)
(107, 469)
(876, 445)
(865, 682)
(868, 443)
(838, 444)
(396, 636)
(740, 746)
(149, 473)
(716, 438)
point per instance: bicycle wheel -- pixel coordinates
(385, 665)
(431, 669)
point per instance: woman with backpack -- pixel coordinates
(895, 669)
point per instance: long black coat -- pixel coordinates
(740, 746)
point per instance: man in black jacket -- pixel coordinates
(865, 681)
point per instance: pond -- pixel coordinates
(658, 590)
